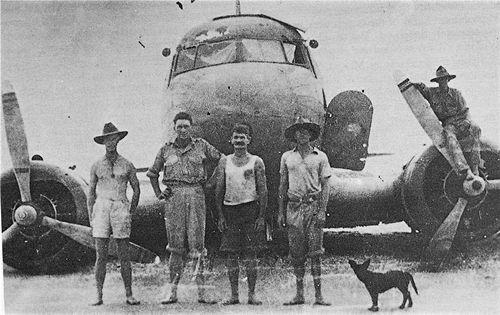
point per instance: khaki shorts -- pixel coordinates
(185, 220)
(461, 128)
(305, 230)
(110, 217)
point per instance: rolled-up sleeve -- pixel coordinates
(325, 170)
(424, 90)
(155, 169)
(211, 152)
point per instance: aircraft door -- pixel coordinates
(347, 129)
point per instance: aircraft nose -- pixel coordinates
(269, 89)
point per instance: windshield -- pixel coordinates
(240, 50)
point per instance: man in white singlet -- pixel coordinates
(241, 200)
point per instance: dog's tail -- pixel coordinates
(412, 282)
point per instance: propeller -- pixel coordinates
(10, 233)
(493, 184)
(18, 147)
(472, 186)
(27, 213)
(372, 154)
(442, 240)
(81, 234)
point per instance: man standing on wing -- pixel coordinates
(241, 200)
(183, 164)
(304, 174)
(109, 208)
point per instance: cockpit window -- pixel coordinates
(185, 60)
(261, 50)
(216, 53)
(240, 50)
(294, 54)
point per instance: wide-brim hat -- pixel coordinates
(302, 123)
(109, 130)
(442, 73)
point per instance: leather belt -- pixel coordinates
(112, 199)
(178, 183)
(309, 198)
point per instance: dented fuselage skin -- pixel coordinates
(258, 70)
(242, 73)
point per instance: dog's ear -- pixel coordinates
(366, 264)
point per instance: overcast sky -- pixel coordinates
(77, 65)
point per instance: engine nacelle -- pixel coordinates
(347, 130)
(60, 194)
(430, 189)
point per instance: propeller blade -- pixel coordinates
(10, 233)
(372, 154)
(137, 253)
(424, 114)
(83, 235)
(16, 139)
(441, 242)
(493, 184)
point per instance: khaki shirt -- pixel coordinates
(184, 164)
(304, 175)
(445, 104)
(112, 179)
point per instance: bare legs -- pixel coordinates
(100, 266)
(299, 271)
(316, 273)
(251, 269)
(102, 245)
(233, 271)
(126, 269)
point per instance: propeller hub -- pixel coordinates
(25, 215)
(474, 186)
(473, 189)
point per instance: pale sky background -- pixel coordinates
(78, 65)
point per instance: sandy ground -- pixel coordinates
(468, 283)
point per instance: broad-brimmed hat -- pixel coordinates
(442, 73)
(302, 123)
(109, 130)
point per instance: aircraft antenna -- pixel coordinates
(238, 7)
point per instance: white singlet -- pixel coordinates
(240, 182)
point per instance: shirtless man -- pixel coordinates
(109, 209)
(241, 201)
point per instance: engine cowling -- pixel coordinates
(430, 189)
(347, 128)
(60, 194)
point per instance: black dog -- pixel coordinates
(376, 283)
